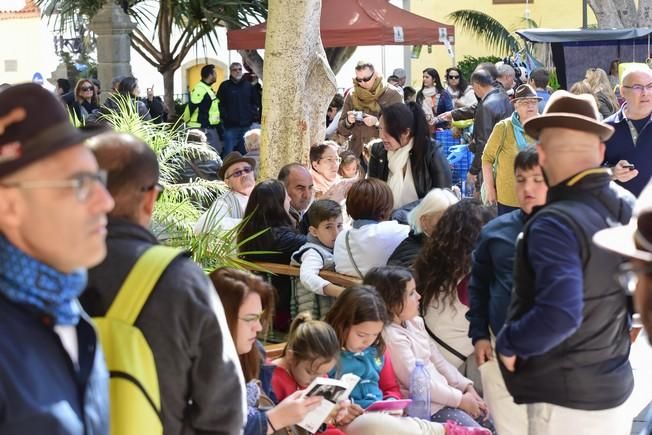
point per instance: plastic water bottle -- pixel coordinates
(420, 392)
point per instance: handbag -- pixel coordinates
(348, 250)
(494, 169)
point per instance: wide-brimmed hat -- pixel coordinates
(231, 159)
(525, 91)
(44, 129)
(633, 240)
(566, 110)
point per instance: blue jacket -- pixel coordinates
(367, 365)
(490, 287)
(621, 147)
(41, 392)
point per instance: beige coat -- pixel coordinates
(360, 134)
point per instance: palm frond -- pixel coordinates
(487, 29)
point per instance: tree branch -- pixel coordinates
(145, 43)
(145, 55)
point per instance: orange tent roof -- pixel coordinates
(346, 23)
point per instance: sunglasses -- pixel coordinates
(159, 187)
(240, 173)
(86, 88)
(364, 79)
(453, 77)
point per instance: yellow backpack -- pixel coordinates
(134, 390)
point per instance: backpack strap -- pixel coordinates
(140, 282)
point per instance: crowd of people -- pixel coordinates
(519, 319)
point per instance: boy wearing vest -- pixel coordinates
(564, 348)
(315, 294)
(197, 375)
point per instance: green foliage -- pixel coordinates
(553, 81)
(468, 63)
(487, 29)
(181, 204)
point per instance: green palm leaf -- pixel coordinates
(487, 29)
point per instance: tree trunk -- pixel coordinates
(644, 13)
(253, 59)
(337, 57)
(168, 89)
(606, 13)
(626, 10)
(299, 84)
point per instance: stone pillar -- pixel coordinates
(112, 28)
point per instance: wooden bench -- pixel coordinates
(293, 272)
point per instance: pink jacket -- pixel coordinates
(408, 343)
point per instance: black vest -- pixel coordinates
(590, 369)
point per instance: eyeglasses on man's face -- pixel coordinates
(639, 88)
(239, 173)
(159, 188)
(82, 183)
(364, 79)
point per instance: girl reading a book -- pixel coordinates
(311, 351)
(453, 397)
(358, 317)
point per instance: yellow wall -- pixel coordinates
(194, 75)
(556, 14)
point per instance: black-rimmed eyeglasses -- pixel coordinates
(159, 189)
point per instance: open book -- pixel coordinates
(332, 391)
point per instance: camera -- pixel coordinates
(359, 116)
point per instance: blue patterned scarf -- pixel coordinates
(25, 280)
(519, 131)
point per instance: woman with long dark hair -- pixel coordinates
(458, 88)
(86, 98)
(432, 97)
(442, 269)
(407, 158)
(268, 208)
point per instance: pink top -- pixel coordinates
(408, 343)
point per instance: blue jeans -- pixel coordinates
(234, 140)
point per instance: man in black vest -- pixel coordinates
(564, 349)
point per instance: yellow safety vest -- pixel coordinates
(191, 113)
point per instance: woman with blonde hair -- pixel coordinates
(601, 88)
(422, 219)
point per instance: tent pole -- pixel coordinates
(585, 14)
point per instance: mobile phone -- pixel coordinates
(630, 167)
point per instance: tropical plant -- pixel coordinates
(181, 203)
(468, 64)
(486, 28)
(175, 25)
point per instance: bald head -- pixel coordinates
(636, 89)
(132, 172)
(564, 152)
(299, 185)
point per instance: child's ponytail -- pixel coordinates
(311, 340)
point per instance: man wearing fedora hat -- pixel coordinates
(564, 348)
(227, 211)
(634, 241)
(53, 207)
